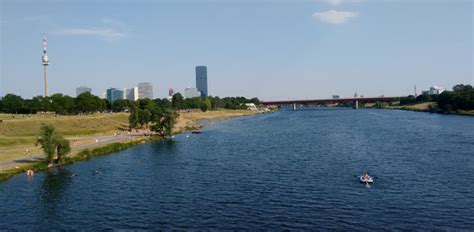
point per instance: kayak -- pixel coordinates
(370, 180)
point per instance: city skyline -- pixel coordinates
(278, 50)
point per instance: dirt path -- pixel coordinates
(99, 141)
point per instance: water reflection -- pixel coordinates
(55, 184)
(165, 146)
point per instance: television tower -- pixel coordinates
(45, 65)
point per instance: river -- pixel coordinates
(286, 170)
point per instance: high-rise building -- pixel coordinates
(114, 94)
(201, 80)
(170, 92)
(82, 89)
(145, 90)
(191, 92)
(130, 93)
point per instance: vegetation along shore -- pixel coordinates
(95, 128)
(459, 101)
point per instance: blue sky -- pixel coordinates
(281, 49)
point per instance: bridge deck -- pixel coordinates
(331, 100)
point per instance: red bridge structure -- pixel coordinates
(354, 100)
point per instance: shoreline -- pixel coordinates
(186, 121)
(428, 107)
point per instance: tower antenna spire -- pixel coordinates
(45, 66)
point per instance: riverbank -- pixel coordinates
(101, 143)
(430, 107)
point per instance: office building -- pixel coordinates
(114, 94)
(145, 90)
(82, 89)
(130, 93)
(191, 92)
(435, 90)
(201, 80)
(170, 92)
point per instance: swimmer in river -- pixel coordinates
(30, 172)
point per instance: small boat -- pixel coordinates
(196, 131)
(369, 180)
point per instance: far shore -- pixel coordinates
(17, 156)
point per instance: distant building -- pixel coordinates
(191, 92)
(335, 96)
(82, 89)
(436, 90)
(201, 80)
(170, 92)
(130, 94)
(251, 106)
(114, 94)
(145, 90)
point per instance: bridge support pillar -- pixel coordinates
(356, 104)
(294, 106)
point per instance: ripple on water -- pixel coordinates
(288, 170)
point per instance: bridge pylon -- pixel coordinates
(356, 104)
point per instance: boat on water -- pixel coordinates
(367, 179)
(196, 131)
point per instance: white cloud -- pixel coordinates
(104, 33)
(335, 17)
(339, 2)
(109, 30)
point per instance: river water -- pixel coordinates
(286, 170)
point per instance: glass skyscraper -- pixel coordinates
(201, 80)
(114, 94)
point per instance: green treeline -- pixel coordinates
(88, 103)
(461, 98)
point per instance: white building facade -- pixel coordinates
(191, 92)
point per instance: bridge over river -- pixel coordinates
(354, 100)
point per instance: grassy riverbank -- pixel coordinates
(429, 107)
(83, 131)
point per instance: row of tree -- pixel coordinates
(208, 103)
(156, 115)
(461, 98)
(58, 103)
(88, 103)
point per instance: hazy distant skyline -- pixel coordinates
(269, 49)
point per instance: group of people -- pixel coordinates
(365, 177)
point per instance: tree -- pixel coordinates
(13, 103)
(423, 98)
(206, 104)
(163, 122)
(88, 103)
(62, 104)
(144, 117)
(62, 146)
(52, 142)
(177, 101)
(40, 104)
(133, 118)
(120, 105)
(462, 88)
(46, 139)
